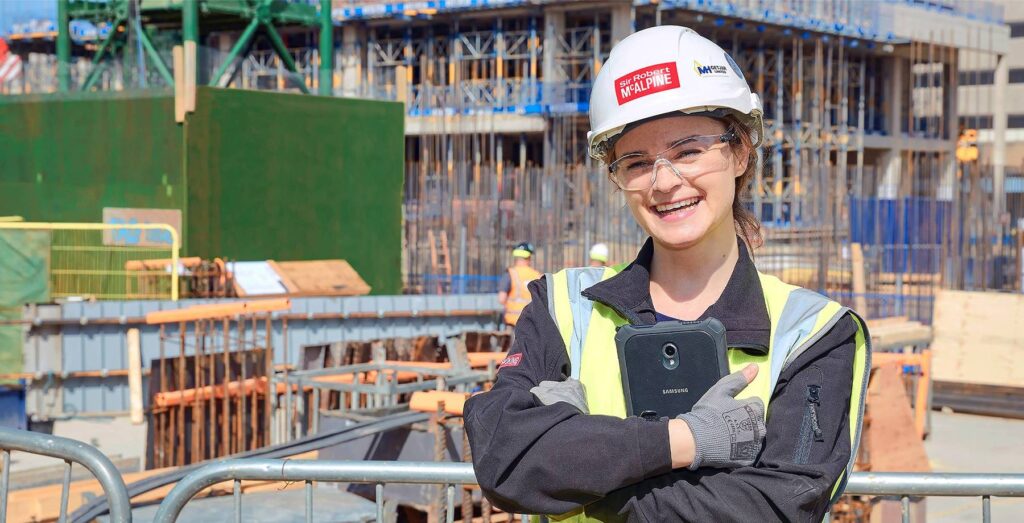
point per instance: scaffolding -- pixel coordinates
(859, 188)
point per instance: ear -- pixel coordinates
(742, 159)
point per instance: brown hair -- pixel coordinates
(747, 224)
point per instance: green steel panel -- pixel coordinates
(67, 157)
(294, 177)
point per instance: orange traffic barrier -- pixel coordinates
(426, 401)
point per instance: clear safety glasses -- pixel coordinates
(687, 157)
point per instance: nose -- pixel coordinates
(666, 176)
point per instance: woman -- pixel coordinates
(678, 127)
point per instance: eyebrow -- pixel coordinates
(671, 145)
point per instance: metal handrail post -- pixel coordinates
(895, 484)
(86, 455)
(310, 470)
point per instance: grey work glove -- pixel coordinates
(727, 432)
(569, 391)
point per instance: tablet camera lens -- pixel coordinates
(669, 350)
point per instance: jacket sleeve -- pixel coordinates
(551, 459)
(793, 477)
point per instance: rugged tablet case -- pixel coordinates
(656, 386)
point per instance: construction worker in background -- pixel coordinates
(675, 122)
(599, 255)
(512, 291)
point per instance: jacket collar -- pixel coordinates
(741, 308)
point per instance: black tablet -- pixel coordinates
(668, 366)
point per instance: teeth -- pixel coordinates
(677, 205)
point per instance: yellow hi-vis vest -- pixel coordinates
(799, 318)
(518, 294)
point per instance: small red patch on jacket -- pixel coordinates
(511, 360)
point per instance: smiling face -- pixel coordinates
(680, 212)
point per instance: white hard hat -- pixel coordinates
(665, 69)
(599, 252)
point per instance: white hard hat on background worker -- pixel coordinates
(599, 254)
(663, 70)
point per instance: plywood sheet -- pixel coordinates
(322, 278)
(892, 440)
(977, 338)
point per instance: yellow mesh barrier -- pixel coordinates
(97, 261)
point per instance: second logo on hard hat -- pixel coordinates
(703, 70)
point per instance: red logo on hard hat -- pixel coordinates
(649, 80)
(511, 361)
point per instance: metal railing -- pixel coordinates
(906, 485)
(903, 486)
(70, 451)
(378, 472)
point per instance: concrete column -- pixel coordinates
(352, 44)
(1002, 78)
(622, 22)
(892, 160)
(190, 35)
(224, 42)
(947, 180)
(551, 73)
(891, 167)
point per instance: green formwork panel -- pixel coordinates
(269, 175)
(297, 177)
(65, 158)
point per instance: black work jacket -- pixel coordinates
(551, 459)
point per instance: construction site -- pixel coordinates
(251, 250)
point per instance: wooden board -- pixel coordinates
(977, 338)
(893, 443)
(898, 332)
(321, 278)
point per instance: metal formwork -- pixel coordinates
(77, 351)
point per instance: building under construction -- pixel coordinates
(860, 188)
(880, 185)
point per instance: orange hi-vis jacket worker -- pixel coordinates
(514, 294)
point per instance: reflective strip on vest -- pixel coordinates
(799, 318)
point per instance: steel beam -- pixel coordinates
(282, 52)
(241, 44)
(97, 59)
(154, 56)
(63, 46)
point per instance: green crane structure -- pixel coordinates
(252, 15)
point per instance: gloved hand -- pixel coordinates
(726, 432)
(569, 391)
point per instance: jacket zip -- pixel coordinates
(810, 430)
